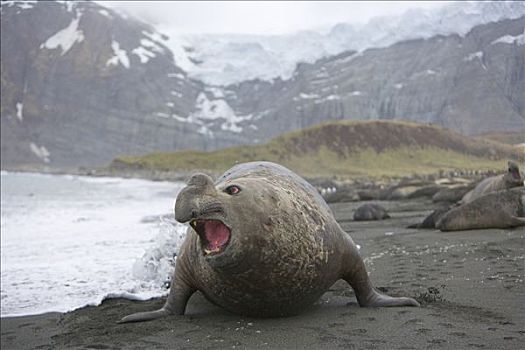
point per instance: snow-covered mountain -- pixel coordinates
(82, 84)
(227, 59)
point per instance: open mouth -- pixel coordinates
(214, 235)
(516, 174)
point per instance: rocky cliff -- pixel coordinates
(471, 84)
(82, 84)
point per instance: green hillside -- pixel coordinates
(346, 149)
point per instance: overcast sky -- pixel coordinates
(260, 17)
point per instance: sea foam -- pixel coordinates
(72, 241)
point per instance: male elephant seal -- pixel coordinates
(370, 211)
(262, 242)
(432, 218)
(501, 209)
(512, 178)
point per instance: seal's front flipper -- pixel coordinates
(180, 292)
(144, 316)
(376, 299)
(366, 295)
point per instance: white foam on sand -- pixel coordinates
(71, 241)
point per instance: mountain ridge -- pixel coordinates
(276, 56)
(345, 148)
(81, 85)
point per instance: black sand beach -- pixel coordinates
(470, 285)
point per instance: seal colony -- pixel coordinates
(512, 178)
(262, 242)
(495, 202)
(500, 209)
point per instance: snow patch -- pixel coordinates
(328, 98)
(65, 38)
(398, 86)
(473, 56)
(355, 93)
(40, 152)
(176, 93)
(509, 39)
(143, 53)
(151, 45)
(179, 118)
(147, 48)
(430, 72)
(105, 13)
(69, 5)
(209, 110)
(351, 57)
(305, 96)
(19, 111)
(120, 56)
(176, 75)
(24, 5)
(177, 46)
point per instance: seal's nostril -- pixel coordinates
(194, 213)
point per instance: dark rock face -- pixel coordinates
(470, 84)
(113, 89)
(81, 85)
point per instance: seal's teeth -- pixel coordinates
(207, 251)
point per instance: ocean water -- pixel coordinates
(71, 241)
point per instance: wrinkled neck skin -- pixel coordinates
(265, 218)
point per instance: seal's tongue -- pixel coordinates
(216, 234)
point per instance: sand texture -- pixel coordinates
(470, 285)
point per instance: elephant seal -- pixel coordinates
(452, 194)
(501, 209)
(512, 178)
(432, 218)
(370, 211)
(262, 242)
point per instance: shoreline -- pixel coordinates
(183, 176)
(470, 285)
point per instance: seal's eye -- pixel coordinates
(231, 190)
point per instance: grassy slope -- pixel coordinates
(508, 137)
(347, 148)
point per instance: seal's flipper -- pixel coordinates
(180, 292)
(365, 293)
(145, 316)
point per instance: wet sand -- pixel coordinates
(470, 284)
